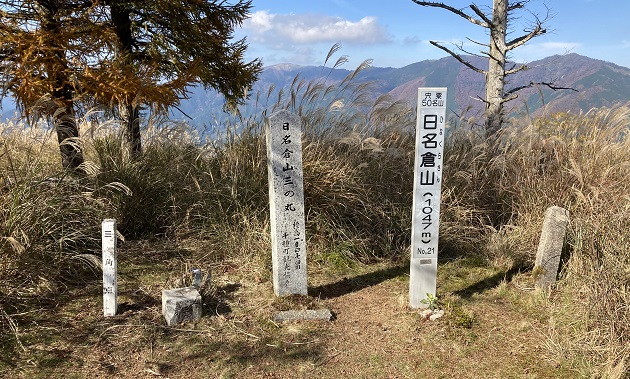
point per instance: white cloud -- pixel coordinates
(304, 29)
(534, 51)
(261, 21)
(557, 46)
(413, 40)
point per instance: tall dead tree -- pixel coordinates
(496, 51)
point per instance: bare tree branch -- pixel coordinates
(550, 85)
(458, 57)
(479, 98)
(507, 98)
(497, 23)
(482, 54)
(556, 88)
(458, 12)
(515, 69)
(478, 43)
(520, 41)
(517, 5)
(519, 88)
(481, 14)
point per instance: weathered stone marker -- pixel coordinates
(181, 305)
(300, 315)
(110, 267)
(550, 246)
(426, 194)
(286, 200)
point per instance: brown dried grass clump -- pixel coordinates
(358, 170)
(494, 196)
(593, 155)
(49, 223)
(581, 163)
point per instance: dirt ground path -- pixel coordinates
(376, 335)
(488, 331)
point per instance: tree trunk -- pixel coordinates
(128, 112)
(62, 116)
(65, 125)
(130, 119)
(495, 77)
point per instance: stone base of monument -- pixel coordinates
(308, 315)
(181, 305)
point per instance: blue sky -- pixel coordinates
(395, 33)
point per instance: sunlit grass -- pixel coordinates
(358, 158)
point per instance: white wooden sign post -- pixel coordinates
(110, 266)
(426, 194)
(286, 203)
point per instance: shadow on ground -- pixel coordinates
(490, 282)
(349, 285)
(218, 301)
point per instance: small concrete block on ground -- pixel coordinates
(181, 305)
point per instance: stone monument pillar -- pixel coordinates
(286, 202)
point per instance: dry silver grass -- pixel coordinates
(583, 164)
(498, 194)
(358, 165)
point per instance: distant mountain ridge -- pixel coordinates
(597, 83)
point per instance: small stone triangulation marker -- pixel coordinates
(286, 201)
(550, 246)
(426, 194)
(110, 267)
